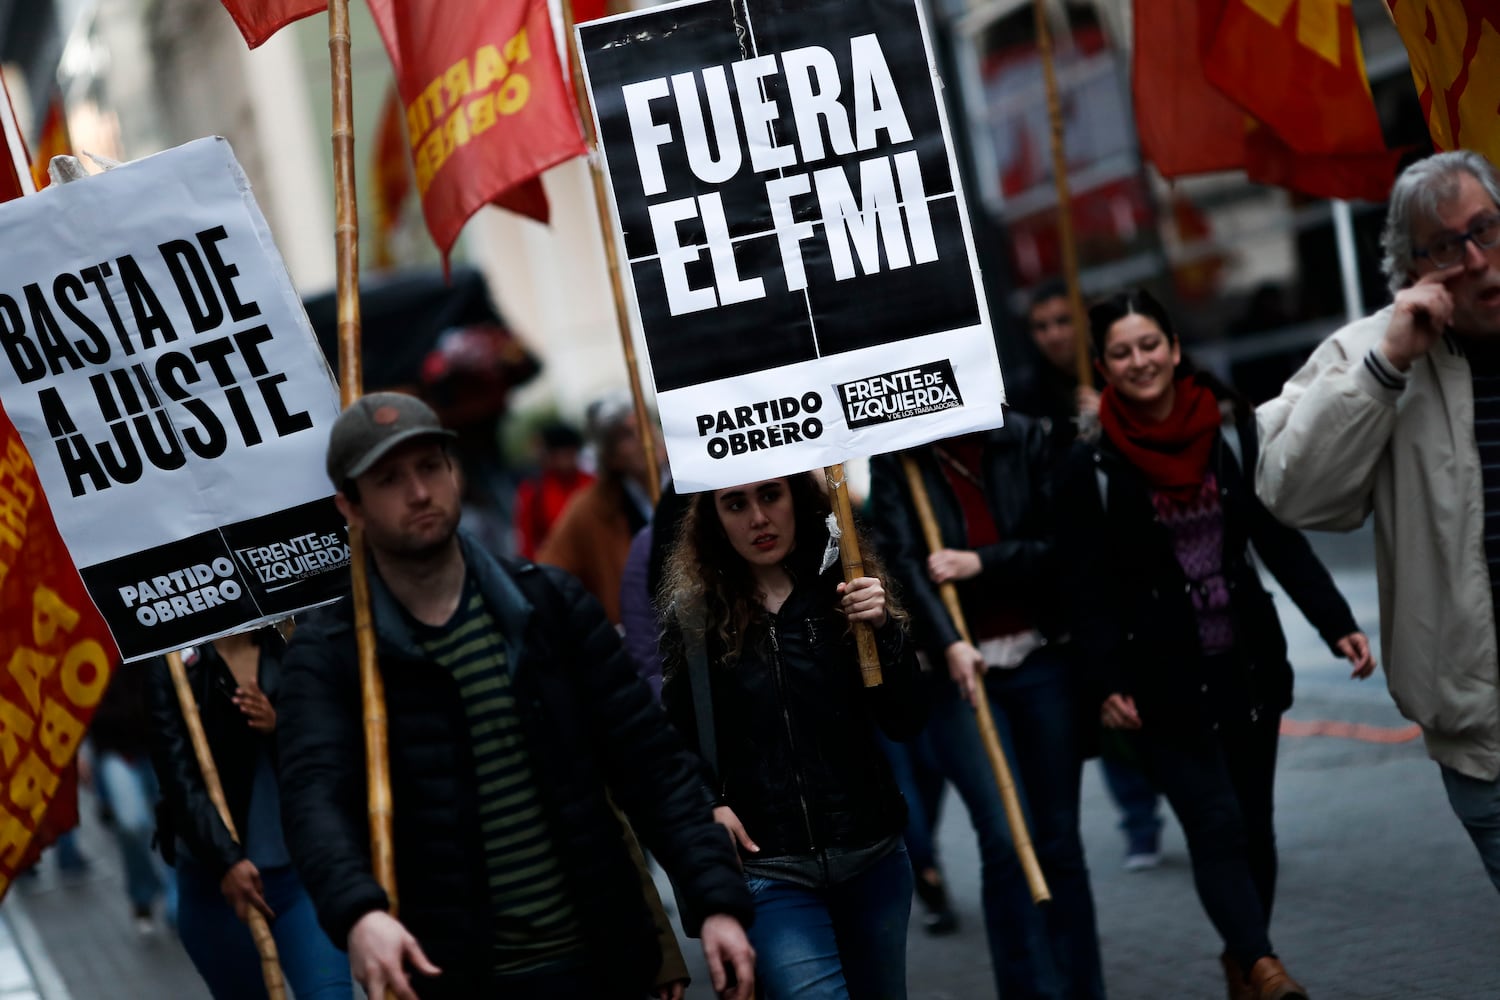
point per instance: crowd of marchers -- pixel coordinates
(1099, 547)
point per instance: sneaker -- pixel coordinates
(144, 922)
(1142, 861)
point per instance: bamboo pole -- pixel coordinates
(854, 567)
(1065, 235)
(612, 257)
(270, 965)
(351, 387)
(1014, 814)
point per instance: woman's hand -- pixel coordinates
(241, 887)
(952, 565)
(725, 817)
(965, 665)
(864, 601)
(1356, 649)
(1118, 712)
(257, 708)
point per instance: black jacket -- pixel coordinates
(799, 761)
(590, 725)
(1019, 568)
(1132, 610)
(235, 747)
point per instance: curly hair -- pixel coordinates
(704, 569)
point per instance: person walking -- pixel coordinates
(762, 675)
(236, 681)
(990, 495)
(1186, 651)
(1399, 414)
(516, 724)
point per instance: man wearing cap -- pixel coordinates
(512, 709)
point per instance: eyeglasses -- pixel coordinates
(1448, 249)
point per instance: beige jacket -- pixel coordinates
(1349, 434)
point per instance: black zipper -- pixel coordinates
(786, 718)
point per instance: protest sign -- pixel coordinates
(161, 371)
(799, 250)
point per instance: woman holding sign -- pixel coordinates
(1185, 648)
(220, 879)
(763, 678)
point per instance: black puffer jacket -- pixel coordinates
(590, 725)
(1019, 569)
(1131, 602)
(799, 762)
(234, 745)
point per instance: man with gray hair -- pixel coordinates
(1399, 414)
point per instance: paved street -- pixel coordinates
(1381, 894)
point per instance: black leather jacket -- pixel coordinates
(798, 756)
(1018, 569)
(1131, 603)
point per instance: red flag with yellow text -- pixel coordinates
(57, 658)
(487, 109)
(1454, 50)
(260, 19)
(1276, 87)
(54, 141)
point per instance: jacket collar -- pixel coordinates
(506, 602)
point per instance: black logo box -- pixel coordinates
(935, 375)
(255, 601)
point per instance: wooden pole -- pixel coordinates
(351, 387)
(612, 257)
(270, 966)
(1014, 814)
(854, 567)
(1065, 236)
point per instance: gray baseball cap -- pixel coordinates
(372, 426)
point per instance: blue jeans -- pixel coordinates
(224, 953)
(847, 942)
(1050, 953)
(1136, 798)
(1477, 804)
(922, 785)
(130, 787)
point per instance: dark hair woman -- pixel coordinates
(1183, 643)
(235, 680)
(762, 676)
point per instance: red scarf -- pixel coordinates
(1172, 454)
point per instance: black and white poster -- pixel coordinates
(157, 362)
(797, 241)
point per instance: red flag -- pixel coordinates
(1185, 125)
(14, 163)
(54, 141)
(260, 19)
(1454, 49)
(392, 169)
(487, 109)
(1277, 89)
(59, 659)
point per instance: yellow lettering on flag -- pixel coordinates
(1317, 23)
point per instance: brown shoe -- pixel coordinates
(1239, 987)
(1269, 980)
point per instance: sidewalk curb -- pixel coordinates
(48, 981)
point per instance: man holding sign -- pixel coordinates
(515, 720)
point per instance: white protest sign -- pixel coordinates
(157, 362)
(784, 188)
